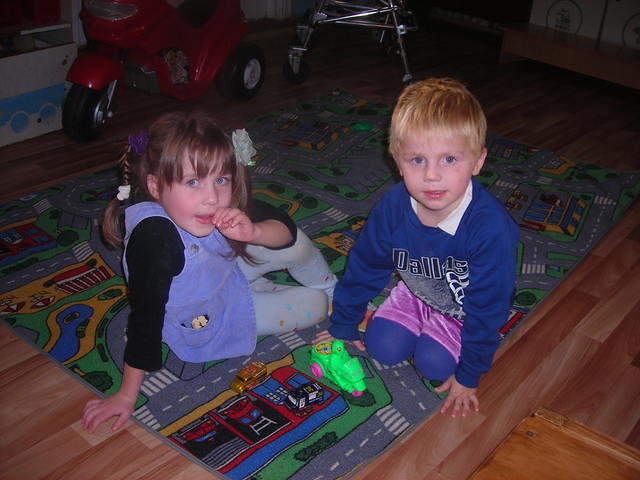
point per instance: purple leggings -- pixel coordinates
(390, 343)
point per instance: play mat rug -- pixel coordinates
(324, 162)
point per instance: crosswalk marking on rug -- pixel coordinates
(336, 214)
(155, 382)
(264, 170)
(602, 200)
(392, 419)
(292, 340)
(534, 268)
(42, 206)
(146, 417)
(82, 251)
(507, 185)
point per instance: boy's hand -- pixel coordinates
(461, 398)
(325, 336)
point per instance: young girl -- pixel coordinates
(196, 248)
(452, 243)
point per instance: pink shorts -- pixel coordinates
(404, 308)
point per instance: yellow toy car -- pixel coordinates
(249, 377)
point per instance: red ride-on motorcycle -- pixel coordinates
(177, 47)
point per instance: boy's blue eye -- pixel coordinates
(449, 159)
(417, 160)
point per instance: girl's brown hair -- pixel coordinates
(172, 138)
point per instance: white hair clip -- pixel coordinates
(123, 192)
(243, 147)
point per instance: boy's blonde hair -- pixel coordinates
(437, 107)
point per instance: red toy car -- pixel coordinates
(177, 47)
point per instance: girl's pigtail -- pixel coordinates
(111, 221)
(112, 226)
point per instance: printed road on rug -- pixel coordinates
(324, 162)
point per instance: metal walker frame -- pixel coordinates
(390, 17)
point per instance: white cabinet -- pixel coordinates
(32, 85)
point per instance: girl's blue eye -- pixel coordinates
(449, 159)
(193, 182)
(222, 180)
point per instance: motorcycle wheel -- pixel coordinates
(84, 112)
(243, 73)
(316, 369)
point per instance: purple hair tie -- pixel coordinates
(139, 142)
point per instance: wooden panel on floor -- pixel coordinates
(551, 446)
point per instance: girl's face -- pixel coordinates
(436, 172)
(192, 201)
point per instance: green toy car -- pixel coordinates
(333, 361)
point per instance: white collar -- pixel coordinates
(451, 223)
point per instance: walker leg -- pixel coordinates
(400, 31)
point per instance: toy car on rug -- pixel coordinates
(249, 377)
(332, 360)
(300, 400)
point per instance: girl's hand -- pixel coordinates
(325, 336)
(234, 224)
(97, 412)
(461, 398)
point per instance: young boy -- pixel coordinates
(451, 241)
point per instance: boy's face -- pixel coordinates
(436, 171)
(192, 201)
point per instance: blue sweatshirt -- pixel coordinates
(467, 273)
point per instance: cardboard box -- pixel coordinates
(622, 24)
(32, 91)
(580, 17)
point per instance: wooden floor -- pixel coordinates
(578, 354)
